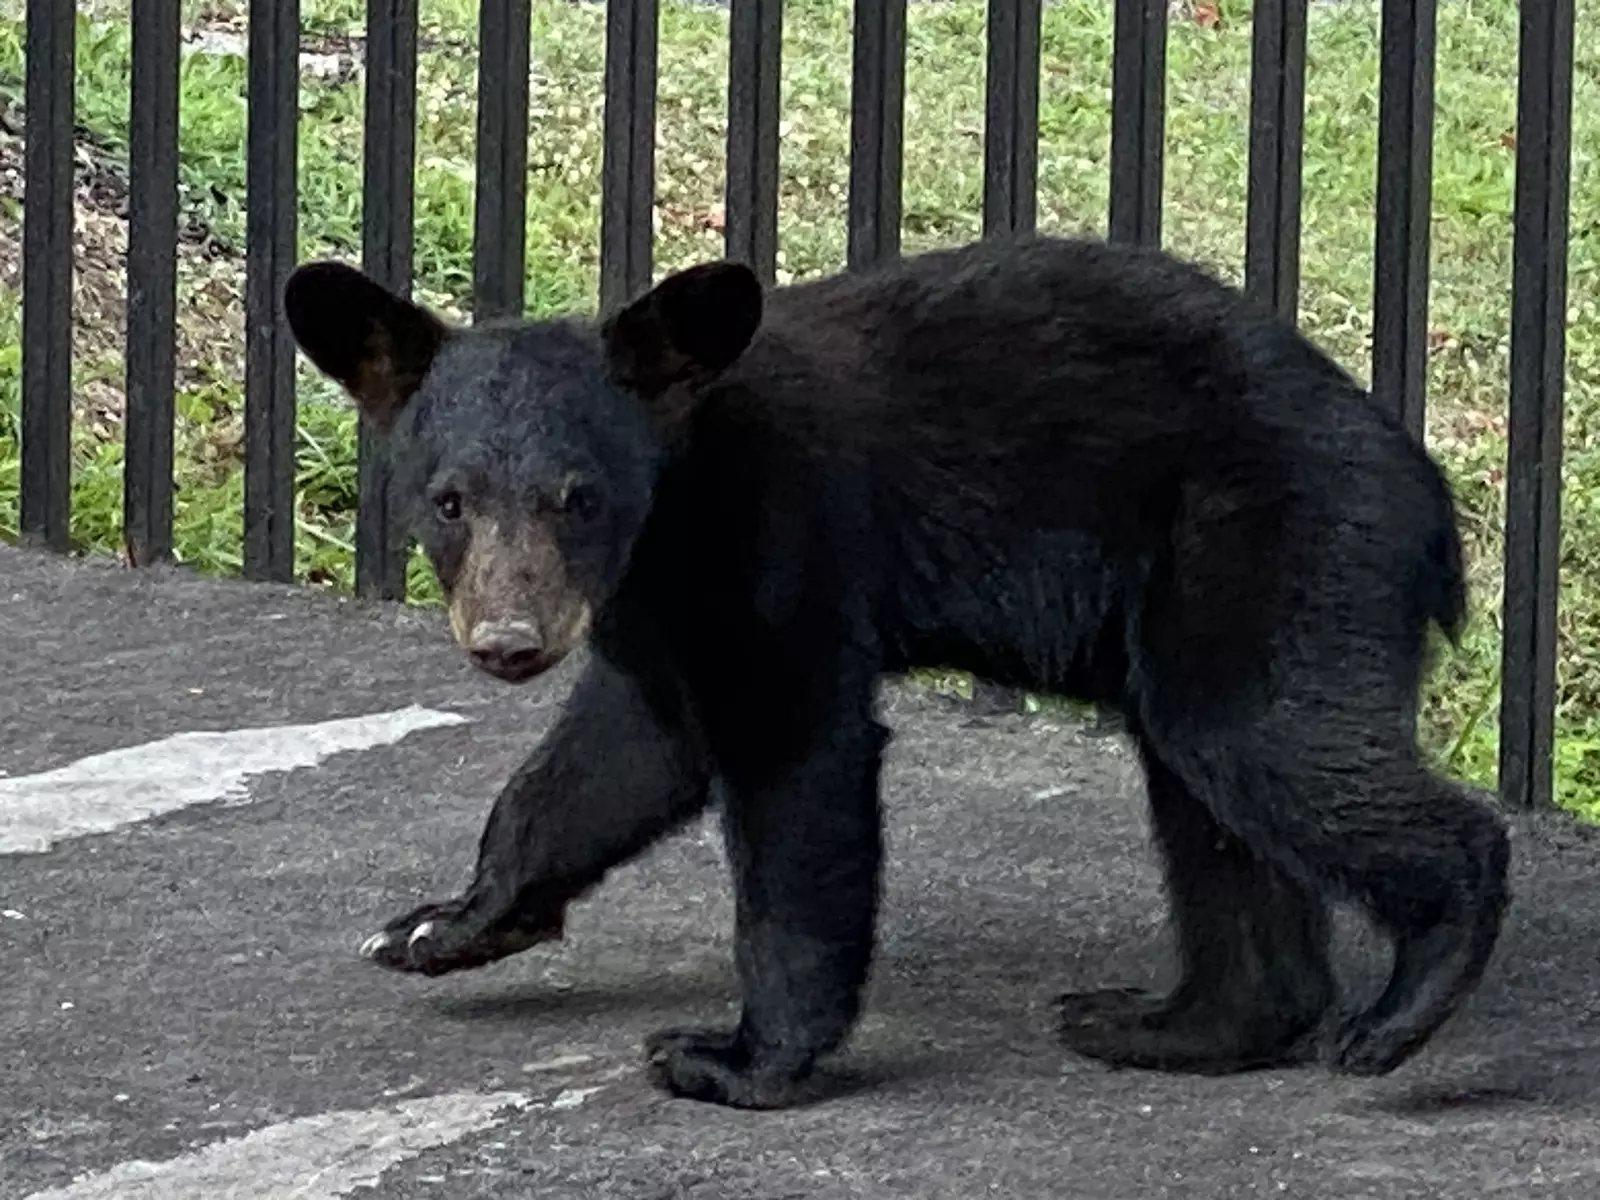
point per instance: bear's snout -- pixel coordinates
(510, 650)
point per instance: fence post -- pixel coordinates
(271, 225)
(1277, 124)
(1138, 97)
(1538, 351)
(387, 188)
(1011, 117)
(877, 130)
(628, 166)
(500, 212)
(750, 208)
(152, 282)
(1405, 186)
(50, 55)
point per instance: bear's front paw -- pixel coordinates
(718, 1066)
(436, 939)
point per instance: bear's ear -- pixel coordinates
(688, 327)
(376, 345)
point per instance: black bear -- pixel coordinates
(1059, 464)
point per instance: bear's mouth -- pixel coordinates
(517, 668)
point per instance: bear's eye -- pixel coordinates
(580, 500)
(448, 506)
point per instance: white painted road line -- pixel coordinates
(311, 1158)
(104, 791)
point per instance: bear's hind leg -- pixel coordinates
(1339, 800)
(1255, 981)
(1440, 891)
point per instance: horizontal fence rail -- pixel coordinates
(873, 220)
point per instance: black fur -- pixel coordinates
(1059, 464)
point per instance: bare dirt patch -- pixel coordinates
(210, 334)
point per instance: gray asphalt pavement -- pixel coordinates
(184, 980)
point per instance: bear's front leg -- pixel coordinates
(805, 851)
(612, 776)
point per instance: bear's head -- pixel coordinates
(525, 453)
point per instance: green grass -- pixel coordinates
(1206, 159)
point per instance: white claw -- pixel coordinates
(373, 944)
(425, 930)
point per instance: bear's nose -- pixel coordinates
(509, 650)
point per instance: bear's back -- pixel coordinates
(1044, 378)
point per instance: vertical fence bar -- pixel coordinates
(387, 188)
(1405, 186)
(1138, 97)
(46, 500)
(499, 231)
(750, 210)
(271, 184)
(877, 131)
(1011, 118)
(628, 167)
(1538, 352)
(152, 282)
(1277, 125)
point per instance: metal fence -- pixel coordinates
(1538, 299)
